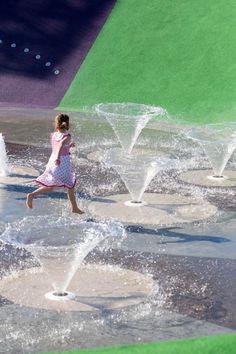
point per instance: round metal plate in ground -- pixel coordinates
(160, 209)
(52, 295)
(96, 287)
(132, 203)
(19, 175)
(204, 178)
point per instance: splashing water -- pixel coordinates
(4, 170)
(136, 170)
(218, 141)
(128, 120)
(64, 242)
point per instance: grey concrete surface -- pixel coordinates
(192, 264)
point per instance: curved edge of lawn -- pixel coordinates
(222, 344)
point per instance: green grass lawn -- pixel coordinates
(177, 54)
(223, 344)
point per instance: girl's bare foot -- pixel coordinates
(77, 211)
(29, 201)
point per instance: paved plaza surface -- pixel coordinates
(193, 263)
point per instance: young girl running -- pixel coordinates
(58, 171)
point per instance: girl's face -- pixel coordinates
(54, 124)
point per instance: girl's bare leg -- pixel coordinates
(31, 196)
(72, 199)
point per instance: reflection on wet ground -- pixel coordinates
(193, 264)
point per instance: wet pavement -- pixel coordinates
(193, 264)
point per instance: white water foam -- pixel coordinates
(4, 170)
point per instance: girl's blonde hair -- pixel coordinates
(62, 121)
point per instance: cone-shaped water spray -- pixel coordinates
(136, 170)
(4, 170)
(128, 120)
(63, 242)
(218, 142)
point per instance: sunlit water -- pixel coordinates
(137, 170)
(128, 120)
(24, 330)
(218, 142)
(4, 169)
(63, 241)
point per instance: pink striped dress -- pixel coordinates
(61, 175)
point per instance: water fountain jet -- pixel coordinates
(218, 142)
(128, 120)
(136, 171)
(13, 174)
(4, 170)
(60, 245)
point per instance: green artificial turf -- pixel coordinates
(223, 344)
(178, 54)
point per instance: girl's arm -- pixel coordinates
(63, 142)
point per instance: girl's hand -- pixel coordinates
(72, 145)
(57, 162)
